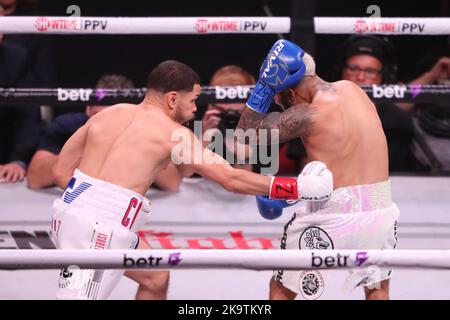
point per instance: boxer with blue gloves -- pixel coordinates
(272, 209)
(339, 125)
(282, 69)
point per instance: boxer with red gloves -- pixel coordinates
(315, 176)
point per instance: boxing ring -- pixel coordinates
(220, 245)
(218, 220)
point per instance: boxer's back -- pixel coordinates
(348, 136)
(127, 145)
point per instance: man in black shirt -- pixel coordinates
(19, 125)
(61, 129)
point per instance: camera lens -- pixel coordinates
(229, 120)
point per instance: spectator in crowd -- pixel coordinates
(8, 6)
(431, 143)
(438, 74)
(62, 128)
(41, 70)
(222, 116)
(19, 125)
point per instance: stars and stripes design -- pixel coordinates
(70, 196)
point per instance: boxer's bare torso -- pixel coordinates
(128, 145)
(347, 135)
(340, 127)
(122, 148)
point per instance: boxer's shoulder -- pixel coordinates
(326, 99)
(344, 84)
(347, 87)
(113, 112)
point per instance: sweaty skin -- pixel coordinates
(128, 145)
(338, 125)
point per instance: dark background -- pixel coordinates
(82, 58)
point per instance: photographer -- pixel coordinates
(220, 117)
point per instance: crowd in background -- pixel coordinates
(418, 135)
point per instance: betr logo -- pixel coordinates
(389, 91)
(329, 261)
(74, 94)
(151, 261)
(240, 92)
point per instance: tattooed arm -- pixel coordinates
(297, 121)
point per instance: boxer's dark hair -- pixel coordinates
(172, 75)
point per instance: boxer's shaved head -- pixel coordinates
(310, 65)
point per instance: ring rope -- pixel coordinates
(223, 259)
(207, 25)
(372, 25)
(134, 25)
(437, 94)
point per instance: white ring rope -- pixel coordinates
(217, 25)
(223, 259)
(133, 25)
(397, 26)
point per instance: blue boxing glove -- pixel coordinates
(282, 69)
(272, 209)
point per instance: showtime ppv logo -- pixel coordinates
(44, 24)
(205, 25)
(363, 26)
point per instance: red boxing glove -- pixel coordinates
(283, 188)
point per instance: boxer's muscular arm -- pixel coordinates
(168, 179)
(70, 157)
(190, 151)
(234, 180)
(297, 121)
(40, 169)
(185, 171)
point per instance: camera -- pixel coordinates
(229, 120)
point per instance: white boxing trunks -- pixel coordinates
(355, 217)
(98, 215)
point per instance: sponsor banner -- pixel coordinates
(26, 237)
(74, 94)
(398, 26)
(37, 236)
(136, 25)
(240, 93)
